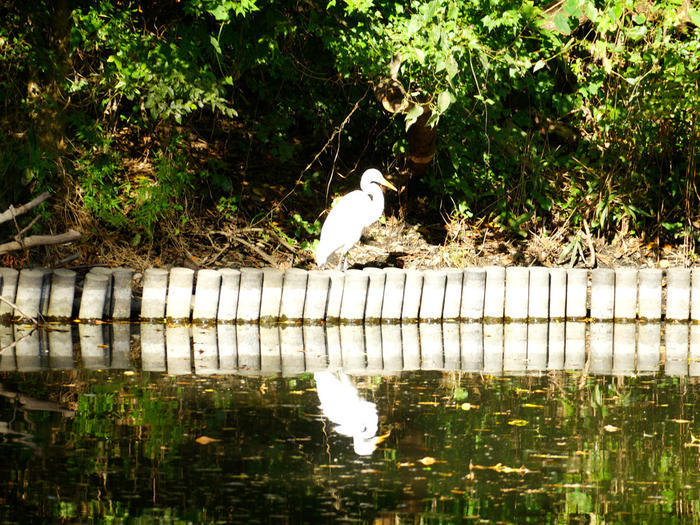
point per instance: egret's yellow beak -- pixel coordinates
(388, 184)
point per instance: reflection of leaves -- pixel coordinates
(500, 467)
(205, 440)
(460, 394)
(597, 396)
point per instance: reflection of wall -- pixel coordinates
(252, 349)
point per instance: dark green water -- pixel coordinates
(130, 447)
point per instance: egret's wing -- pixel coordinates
(344, 224)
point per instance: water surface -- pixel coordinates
(448, 446)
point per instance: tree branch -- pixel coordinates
(13, 212)
(40, 240)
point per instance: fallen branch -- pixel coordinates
(257, 250)
(591, 249)
(28, 227)
(12, 212)
(232, 237)
(40, 240)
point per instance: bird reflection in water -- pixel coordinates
(355, 417)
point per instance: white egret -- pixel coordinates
(341, 403)
(350, 215)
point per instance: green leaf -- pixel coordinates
(433, 119)
(694, 15)
(637, 32)
(443, 101)
(451, 67)
(420, 55)
(571, 8)
(220, 12)
(215, 44)
(591, 12)
(412, 115)
(562, 23)
(413, 26)
(539, 65)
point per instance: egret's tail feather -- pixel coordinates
(321, 258)
(322, 254)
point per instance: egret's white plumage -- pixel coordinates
(341, 403)
(350, 215)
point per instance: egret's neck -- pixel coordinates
(377, 206)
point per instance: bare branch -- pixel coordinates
(28, 227)
(13, 212)
(40, 240)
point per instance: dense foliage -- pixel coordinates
(579, 113)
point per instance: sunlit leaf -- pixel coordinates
(561, 23)
(694, 16)
(220, 12)
(427, 461)
(518, 422)
(571, 8)
(413, 114)
(443, 101)
(611, 428)
(215, 44)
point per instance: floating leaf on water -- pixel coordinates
(611, 428)
(205, 440)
